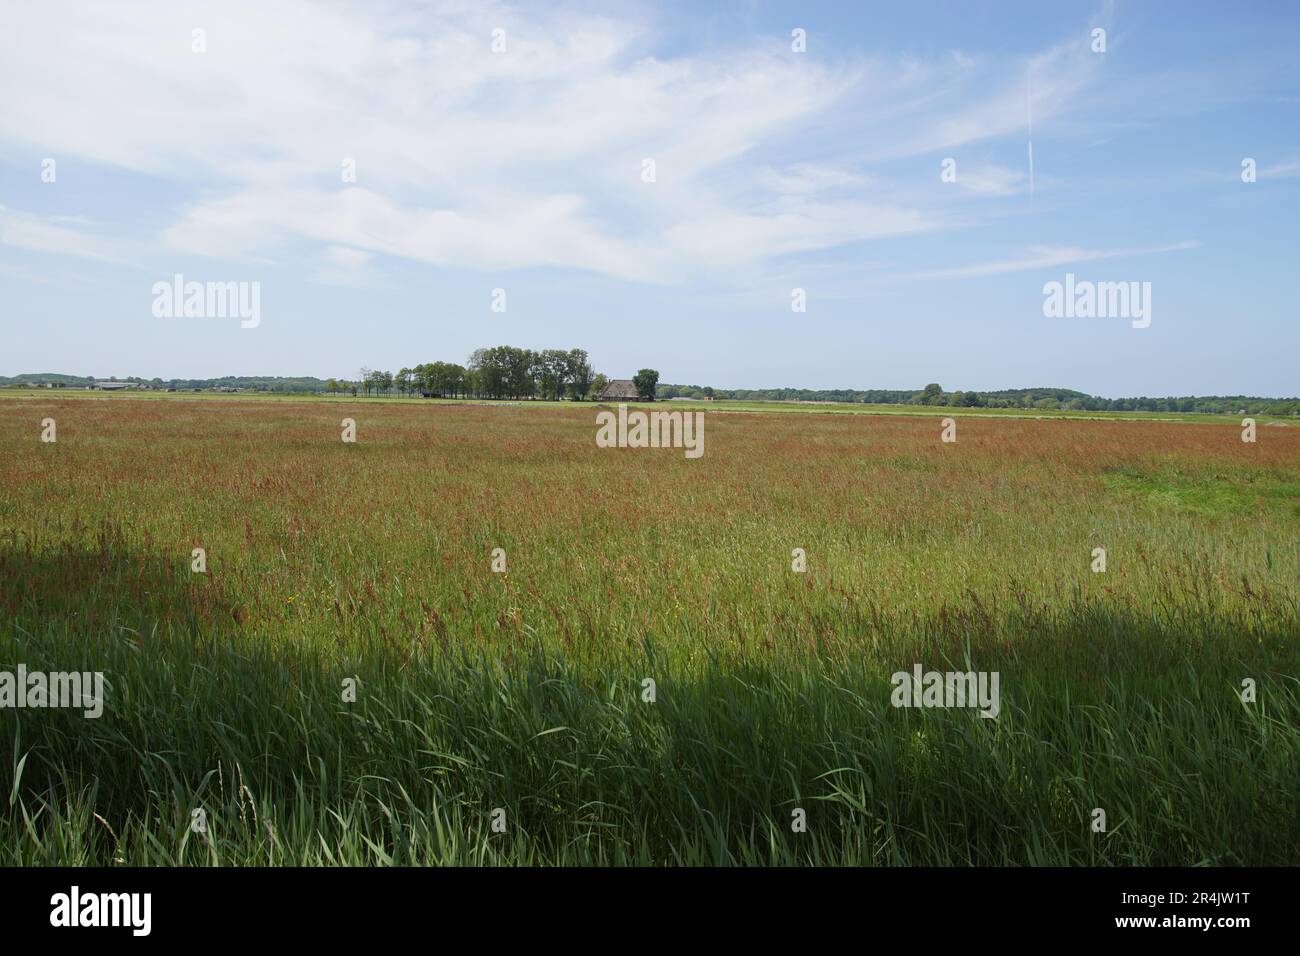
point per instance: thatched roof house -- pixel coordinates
(618, 390)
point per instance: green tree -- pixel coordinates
(645, 381)
(553, 372)
(578, 367)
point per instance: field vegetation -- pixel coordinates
(525, 691)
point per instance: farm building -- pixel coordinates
(618, 390)
(111, 386)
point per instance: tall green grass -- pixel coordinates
(259, 737)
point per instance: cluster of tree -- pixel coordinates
(500, 372)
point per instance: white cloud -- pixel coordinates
(475, 160)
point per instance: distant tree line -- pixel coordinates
(508, 372)
(258, 383)
(1058, 399)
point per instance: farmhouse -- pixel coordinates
(619, 390)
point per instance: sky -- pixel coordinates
(653, 183)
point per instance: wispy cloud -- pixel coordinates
(992, 180)
(50, 234)
(1288, 169)
(345, 266)
(469, 159)
(1047, 257)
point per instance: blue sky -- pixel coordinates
(774, 170)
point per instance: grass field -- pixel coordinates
(523, 691)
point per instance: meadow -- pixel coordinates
(524, 691)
